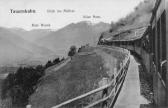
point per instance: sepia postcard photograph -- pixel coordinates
(83, 53)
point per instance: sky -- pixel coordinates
(83, 10)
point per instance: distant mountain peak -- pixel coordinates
(17, 28)
(39, 44)
(85, 22)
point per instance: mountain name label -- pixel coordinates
(91, 16)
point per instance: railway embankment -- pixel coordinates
(85, 72)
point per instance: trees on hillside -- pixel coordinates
(72, 51)
(20, 85)
(48, 64)
(57, 60)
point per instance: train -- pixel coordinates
(152, 48)
(159, 46)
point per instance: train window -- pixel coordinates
(158, 46)
(153, 45)
(163, 33)
(163, 45)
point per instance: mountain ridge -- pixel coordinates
(78, 34)
(40, 44)
(16, 49)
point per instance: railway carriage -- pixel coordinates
(159, 46)
(152, 46)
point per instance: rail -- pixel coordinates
(115, 85)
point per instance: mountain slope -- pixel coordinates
(9, 52)
(73, 34)
(31, 35)
(14, 49)
(85, 72)
(38, 46)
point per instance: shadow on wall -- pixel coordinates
(146, 81)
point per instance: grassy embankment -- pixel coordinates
(82, 74)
